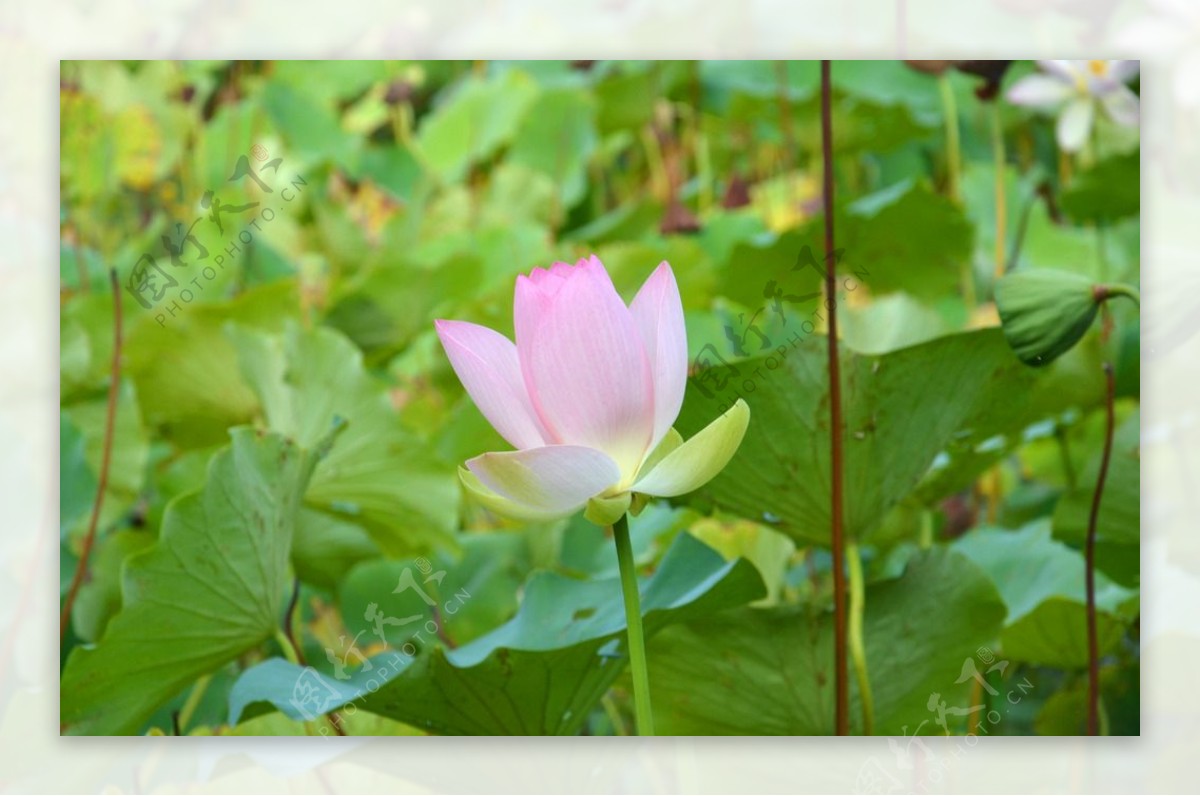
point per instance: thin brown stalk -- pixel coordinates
(293, 639)
(841, 681)
(1093, 715)
(289, 623)
(110, 423)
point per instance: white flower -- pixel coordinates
(1077, 86)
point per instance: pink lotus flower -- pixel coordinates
(587, 396)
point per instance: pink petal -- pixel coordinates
(549, 280)
(658, 312)
(530, 304)
(585, 365)
(555, 479)
(535, 291)
(592, 261)
(487, 365)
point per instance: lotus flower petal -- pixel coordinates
(1065, 70)
(486, 364)
(1075, 124)
(1122, 106)
(587, 394)
(670, 441)
(555, 480)
(549, 280)
(1103, 77)
(501, 505)
(697, 461)
(658, 313)
(585, 365)
(1039, 91)
(607, 510)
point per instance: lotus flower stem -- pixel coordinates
(1087, 154)
(977, 698)
(110, 423)
(1105, 292)
(925, 532)
(289, 642)
(289, 623)
(858, 649)
(287, 647)
(633, 623)
(954, 173)
(841, 684)
(1093, 715)
(1001, 202)
(184, 717)
(953, 155)
(292, 652)
(1064, 167)
(614, 715)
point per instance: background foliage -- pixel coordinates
(387, 194)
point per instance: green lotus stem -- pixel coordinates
(401, 117)
(285, 643)
(1128, 291)
(954, 173)
(858, 650)
(614, 715)
(977, 694)
(633, 622)
(925, 539)
(953, 153)
(292, 654)
(1087, 155)
(1001, 202)
(193, 701)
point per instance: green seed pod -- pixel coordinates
(1045, 312)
